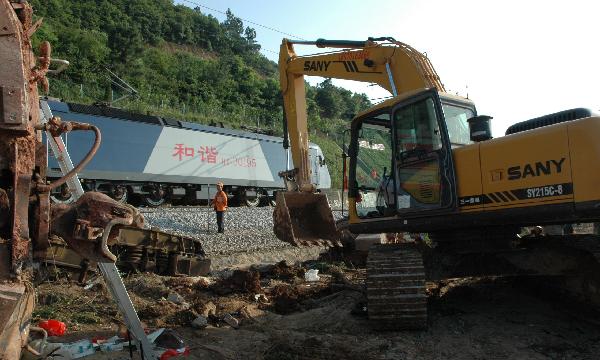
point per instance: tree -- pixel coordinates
(233, 25)
(250, 36)
(328, 99)
(234, 29)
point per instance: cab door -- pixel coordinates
(422, 156)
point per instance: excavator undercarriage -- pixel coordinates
(398, 274)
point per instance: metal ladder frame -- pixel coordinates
(109, 270)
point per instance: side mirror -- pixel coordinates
(479, 128)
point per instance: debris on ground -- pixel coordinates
(231, 321)
(239, 281)
(169, 339)
(206, 309)
(176, 298)
(283, 271)
(312, 275)
(285, 299)
(53, 327)
(200, 322)
(271, 312)
(54, 350)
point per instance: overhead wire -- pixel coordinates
(246, 20)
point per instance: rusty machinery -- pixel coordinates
(27, 218)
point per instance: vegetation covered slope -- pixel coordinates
(184, 64)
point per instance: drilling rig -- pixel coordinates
(27, 218)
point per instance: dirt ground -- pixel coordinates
(281, 316)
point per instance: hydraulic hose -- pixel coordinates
(84, 161)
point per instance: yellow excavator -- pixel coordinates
(302, 216)
(424, 161)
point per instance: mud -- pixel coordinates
(283, 271)
(247, 281)
(470, 318)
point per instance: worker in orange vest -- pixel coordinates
(220, 206)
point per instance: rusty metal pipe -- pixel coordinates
(104, 242)
(86, 159)
(42, 345)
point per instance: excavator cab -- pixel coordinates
(414, 136)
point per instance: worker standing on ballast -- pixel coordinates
(220, 205)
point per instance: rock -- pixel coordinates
(208, 309)
(233, 322)
(261, 298)
(176, 298)
(169, 339)
(202, 283)
(200, 322)
(312, 275)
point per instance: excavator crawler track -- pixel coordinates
(396, 288)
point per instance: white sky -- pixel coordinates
(516, 59)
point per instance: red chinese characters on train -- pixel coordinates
(209, 154)
(206, 154)
(182, 151)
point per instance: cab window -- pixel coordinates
(417, 129)
(456, 121)
(417, 156)
(373, 166)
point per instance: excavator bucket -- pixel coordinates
(304, 219)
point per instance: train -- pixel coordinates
(150, 160)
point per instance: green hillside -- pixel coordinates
(185, 64)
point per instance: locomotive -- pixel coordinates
(151, 160)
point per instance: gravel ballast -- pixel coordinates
(246, 229)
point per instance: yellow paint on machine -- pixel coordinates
(467, 169)
(584, 142)
(526, 154)
(564, 153)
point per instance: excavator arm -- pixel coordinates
(393, 65)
